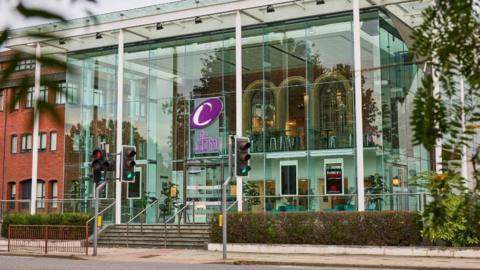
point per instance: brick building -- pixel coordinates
(16, 128)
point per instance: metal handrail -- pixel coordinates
(232, 205)
(143, 211)
(137, 215)
(172, 218)
(101, 212)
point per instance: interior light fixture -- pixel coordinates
(320, 2)
(98, 36)
(159, 26)
(61, 41)
(198, 20)
(270, 9)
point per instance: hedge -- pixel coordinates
(385, 228)
(43, 219)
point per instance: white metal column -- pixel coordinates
(238, 95)
(36, 94)
(438, 146)
(357, 50)
(464, 170)
(118, 182)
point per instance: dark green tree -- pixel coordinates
(449, 42)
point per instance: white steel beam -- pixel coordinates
(357, 51)
(36, 120)
(202, 11)
(238, 96)
(118, 182)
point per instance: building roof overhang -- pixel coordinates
(178, 19)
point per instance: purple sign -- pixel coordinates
(206, 144)
(206, 113)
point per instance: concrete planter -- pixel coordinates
(351, 250)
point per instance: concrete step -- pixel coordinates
(154, 235)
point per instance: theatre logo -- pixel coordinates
(205, 126)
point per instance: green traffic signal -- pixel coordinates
(245, 170)
(130, 175)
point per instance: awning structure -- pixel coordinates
(192, 17)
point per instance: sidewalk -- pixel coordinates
(194, 256)
(212, 257)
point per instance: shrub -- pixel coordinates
(389, 228)
(43, 219)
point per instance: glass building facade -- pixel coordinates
(298, 111)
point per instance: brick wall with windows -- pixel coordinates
(16, 127)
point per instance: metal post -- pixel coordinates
(358, 105)
(36, 94)
(95, 226)
(464, 169)
(118, 182)
(46, 239)
(231, 139)
(238, 96)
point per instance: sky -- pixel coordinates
(68, 8)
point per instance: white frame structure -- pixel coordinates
(284, 163)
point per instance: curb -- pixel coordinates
(431, 252)
(378, 266)
(36, 255)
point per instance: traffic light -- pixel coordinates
(98, 159)
(242, 156)
(128, 163)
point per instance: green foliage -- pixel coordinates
(43, 219)
(448, 41)
(321, 228)
(25, 80)
(448, 217)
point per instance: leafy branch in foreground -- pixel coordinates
(449, 41)
(25, 81)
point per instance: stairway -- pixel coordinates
(152, 236)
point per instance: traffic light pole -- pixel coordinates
(231, 140)
(95, 226)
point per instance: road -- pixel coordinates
(37, 263)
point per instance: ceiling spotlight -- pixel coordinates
(61, 41)
(198, 20)
(320, 2)
(270, 9)
(159, 26)
(98, 36)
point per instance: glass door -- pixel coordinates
(204, 192)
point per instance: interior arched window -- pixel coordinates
(333, 108)
(262, 113)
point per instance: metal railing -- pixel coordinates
(100, 214)
(156, 202)
(57, 238)
(173, 218)
(346, 202)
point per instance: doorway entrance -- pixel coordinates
(203, 189)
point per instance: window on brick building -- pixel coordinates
(12, 194)
(42, 141)
(17, 103)
(25, 64)
(43, 95)
(67, 93)
(54, 193)
(40, 194)
(53, 141)
(1, 100)
(13, 144)
(26, 143)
